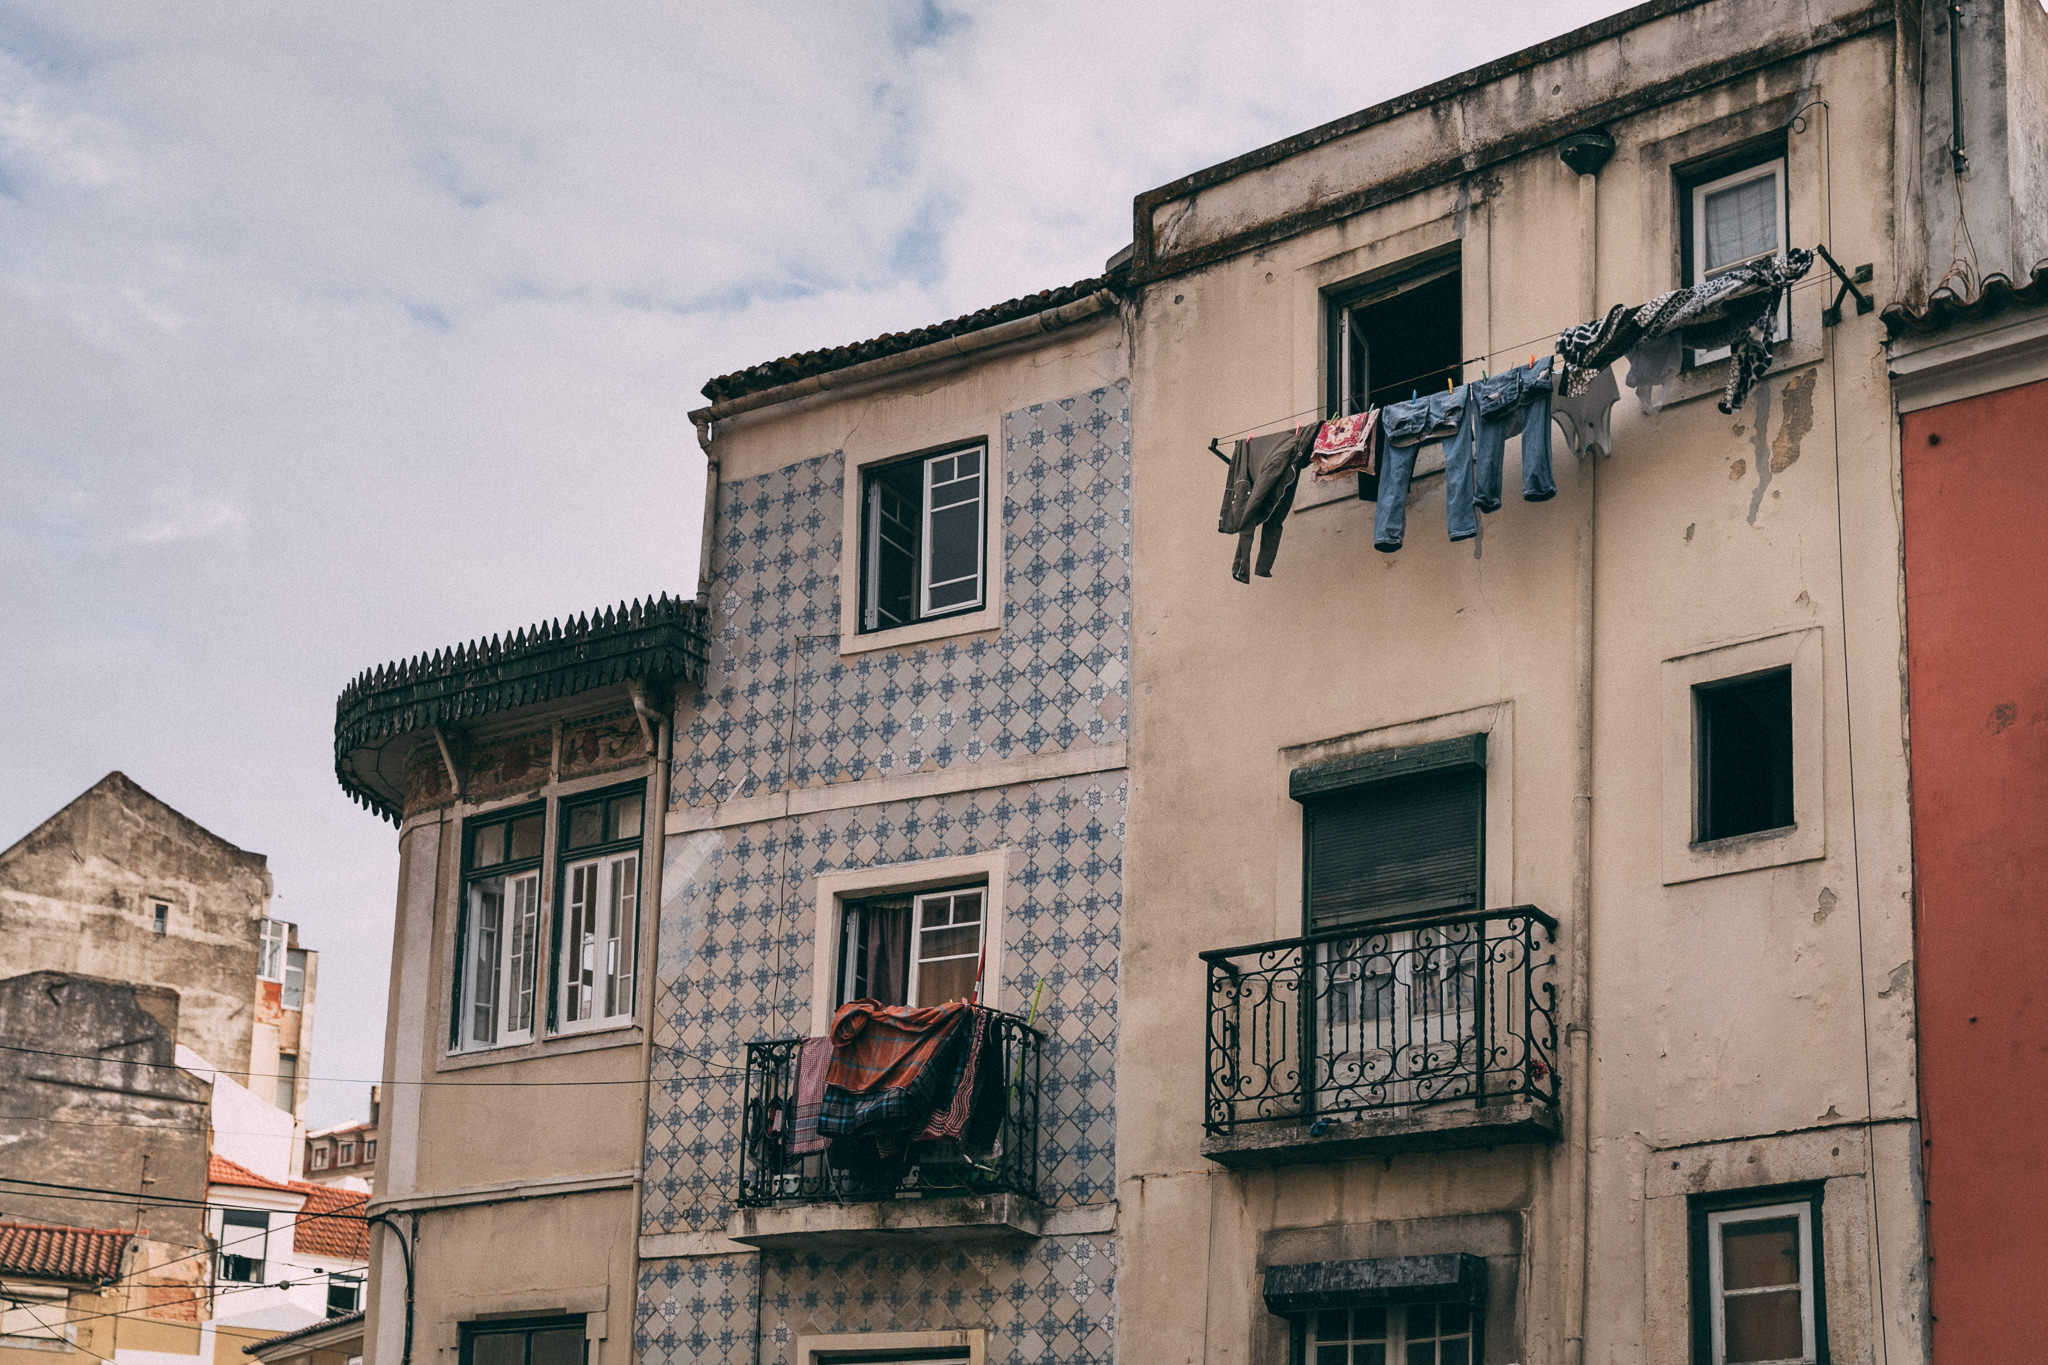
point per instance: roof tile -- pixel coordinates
(332, 1223)
(221, 1171)
(85, 1255)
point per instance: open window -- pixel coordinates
(1732, 211)
(1743, 755)
(344, 1293)
(271, 943)
(499, 930)
(1394, 338)
(600, 921)
(923, 538)
(918, 949)
(244, 1245)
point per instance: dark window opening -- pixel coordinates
(546, 1341)
(244, 1245)
(1395, 339)
(1405, 843)
(1744, 755)
(922, 948)
(923, 551)
(344, 1294)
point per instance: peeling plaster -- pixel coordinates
(1826, 907)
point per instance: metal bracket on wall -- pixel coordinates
(1832, 314)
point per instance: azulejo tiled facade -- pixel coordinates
(782, 709)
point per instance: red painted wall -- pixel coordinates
(1976, 521)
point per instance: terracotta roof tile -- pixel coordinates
(1945, 306)
(221, 1171)
(332, 1223)
(86, 1255)
(789, 368)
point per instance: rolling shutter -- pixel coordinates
(1407, 840)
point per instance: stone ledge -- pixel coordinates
(1287, 1143)
(991, 1217)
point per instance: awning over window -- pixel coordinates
(1453, 1278)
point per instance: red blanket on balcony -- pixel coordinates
(891, 1065)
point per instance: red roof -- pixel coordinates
(332, 1223)
(86, 1255)
(221, 1171)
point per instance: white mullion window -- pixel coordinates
(1739, 219)
(1760, 1297)
(1392, 1334)
(500, 933)
(600, 910)
(950, 573)
(270, 951)
(945, 935)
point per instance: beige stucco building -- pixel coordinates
(1497, 949)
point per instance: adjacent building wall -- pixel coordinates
(76, 894)
(1975, 587)
(806, 753)
(1747, 1027)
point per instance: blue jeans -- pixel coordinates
(1518, 400)
(1406, 426)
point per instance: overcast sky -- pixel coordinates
(331, 333)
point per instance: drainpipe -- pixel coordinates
(1585, 153)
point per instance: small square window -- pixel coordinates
(1743, 755)
(370, 1151)
(1395, 338)
(244, 1245)
(160, 916)
(348, 1155)
(923, 538)
(1756, 1287)
(1734, 213)
(344, 1293)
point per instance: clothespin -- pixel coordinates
(1413, 394)
(1450, 382)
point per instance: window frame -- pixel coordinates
(866, 610)
(345, 1154)
(234, 1217)
(344, 1279)
(1702, 754)
(913, 956)
(160, 916)
(370, 1151)
(293, 994)
(1711, 1213)
(835, 890)
(320, 1156)
(1725, 171)
(288, 1075)
(1339, 304)
(1302, 1330)
(605, 855)
(31, 1300)
(510, 870)
(271, 948)
(468, 1332)
(1315, 784)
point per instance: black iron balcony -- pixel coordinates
(771, 1175)
(1399, 1034)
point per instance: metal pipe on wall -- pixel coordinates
(1584, 153)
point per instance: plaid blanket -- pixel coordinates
(892, 1066)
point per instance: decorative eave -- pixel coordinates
(387, 713)
(1945, 307)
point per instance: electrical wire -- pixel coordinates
(57, 1327)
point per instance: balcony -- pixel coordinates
(946, 1190)
(1399, 1035)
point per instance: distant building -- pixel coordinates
(290, 1253)
(118, 885)
(55, 1285)
(336, 1341)
(345, 1154)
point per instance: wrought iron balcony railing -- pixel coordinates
(770, 1173)
(1388, 1016)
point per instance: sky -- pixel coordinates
(329, 334)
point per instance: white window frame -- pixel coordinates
(1396, 1339)
(320, 1156)
(288, 1076)
(1775, 169)
(345, 1154)
(917, 958)
(612, 903)
(236, 1243)
(1721, 1218)
(512, 960)
(949, 1346)
(293, 997)
(160, 915)
(925, 610)
(273, 938)
(834, 889)
(883, 443)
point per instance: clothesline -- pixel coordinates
(1543, 340)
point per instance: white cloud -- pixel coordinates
(388, 318)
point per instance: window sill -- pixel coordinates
(982, 619)
(1711, 379)
(561, 1045)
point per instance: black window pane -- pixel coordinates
(558, 1346)
(1386, 349)
(490, 845)
(1745, 755)
(498, 1348)
(889, 534)
(586, 826)
(526, 836)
